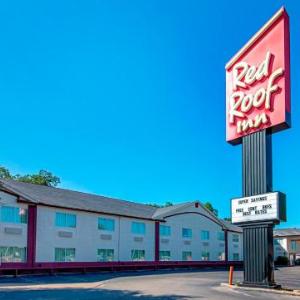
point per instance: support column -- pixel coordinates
(258, 237)
(226, 246)
(156, 251)
(31, 235)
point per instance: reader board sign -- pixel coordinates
(263, 207)
(258, 82)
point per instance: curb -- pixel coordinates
(282, 291)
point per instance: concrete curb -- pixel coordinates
(282, 291)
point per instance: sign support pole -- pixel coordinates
(258, 236)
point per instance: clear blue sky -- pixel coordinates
(127, 98)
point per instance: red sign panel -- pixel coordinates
(258, 82)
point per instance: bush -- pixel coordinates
(282, 261)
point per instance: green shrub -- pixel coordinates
(282, 261)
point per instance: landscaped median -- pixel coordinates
(283, 291)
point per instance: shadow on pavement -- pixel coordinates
(83, 294)
(89, 277)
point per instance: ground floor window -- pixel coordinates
(205, 255)
(164, 255)
(221, 255)
(64, 254)
(236, 256)
(137, 255)
(105, 255)
(13, 254)
(186, 255)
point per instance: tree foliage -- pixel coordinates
(168, 203)
(210, 207)
(43, 177)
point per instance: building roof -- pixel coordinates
(286, 232)
(57, 197)
(63, 198)
(232, 227)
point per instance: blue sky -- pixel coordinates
(127, 98)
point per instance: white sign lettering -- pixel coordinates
(241, 102)
(255, 208)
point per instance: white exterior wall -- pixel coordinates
(86, 237)
(282, 248)
(235, 247)
(128, 243)
(12, 239)
(188, 218)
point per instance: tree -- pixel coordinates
(4, 173)
(43, 177)
(210, 207)
(167, 204)
(227, 219)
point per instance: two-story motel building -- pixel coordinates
(50, 228)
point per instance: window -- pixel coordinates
(221, 236)
(236, 256)
(204, 235)
(13, 254)
(235, 238)
(138, 228)
(11, 214)
(205, 255)
(186, 255)
(64, 254)
(165, 255)
(164, 230)
(105, 255)
(294, 245)
(137, 255)
(186, 232)
(276, 242)
(65, 220)
(106, 224)
(221, 255)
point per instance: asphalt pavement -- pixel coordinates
(143, 285)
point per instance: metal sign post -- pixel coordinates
(257, 105)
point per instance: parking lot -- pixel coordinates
(159, 285)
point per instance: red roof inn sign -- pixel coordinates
(258, 82)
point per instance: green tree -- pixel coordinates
(210, 207)
(167, 204)
(227, 219)
(4, 173)
(43, 177)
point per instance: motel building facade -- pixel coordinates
(287, 243)
(47, 228)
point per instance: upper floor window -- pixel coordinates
(204, 235)
(12, 214)
(65, 220)
(138, 228)
(235, 238)
(164, 230)
(221, 236)
(187, 232)
(276, 242)
(294, 245)
(106, 224)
